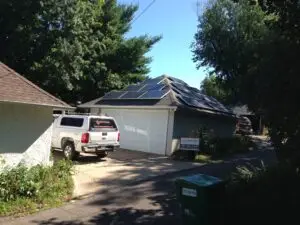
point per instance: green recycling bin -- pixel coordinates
(200, 197)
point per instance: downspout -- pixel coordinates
(168, 129)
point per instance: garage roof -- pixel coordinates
(163, 90)
(16, 88)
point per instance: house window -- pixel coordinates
(71, 122)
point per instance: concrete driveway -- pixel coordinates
(122, 167)
(146, 202)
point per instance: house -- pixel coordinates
(152, 116)
(25, 120)
(255, 118)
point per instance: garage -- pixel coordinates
(153, 115)
(142, 129)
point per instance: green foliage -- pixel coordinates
(216, 146)
(35, 187)
(261, 195)
(213, 86)
(247, 174)
(253, 47)
(76, 50)
(214, 149)
(2, 161)
(237, 144)
(204, 158)
(228, 40)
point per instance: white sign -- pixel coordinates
(189, 144)
(189, 192)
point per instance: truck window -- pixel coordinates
(102, 124)
(71, 122)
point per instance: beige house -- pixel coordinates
(25, 120)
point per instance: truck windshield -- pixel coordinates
(97, 124)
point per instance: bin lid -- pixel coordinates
(202, 180)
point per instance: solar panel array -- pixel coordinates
(194, 98)
(149, 89)
(157, 88)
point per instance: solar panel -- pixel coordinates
(132, 94)
(154, 94)
(175, 80)
(152, 81)
(196, 90)
(215, 101)
(199, 96)
(215, 104)
(113, 94)
(149, 87)
(194, 102)
(134, 87)
(204, 102)
(157, 88)
(177, 91)
(185, 100)
(165, 88)
(182, 88)
(161, 87)
(194, 98)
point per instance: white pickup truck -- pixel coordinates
(85, 133)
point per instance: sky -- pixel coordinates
(176, 21)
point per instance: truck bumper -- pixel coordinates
(99, 148)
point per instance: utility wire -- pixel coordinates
(144, 10)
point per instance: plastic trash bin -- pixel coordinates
(200, 197)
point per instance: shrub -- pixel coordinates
(36, 186)
(260, 195)
(218, 146)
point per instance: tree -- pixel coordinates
(75, 49)
(214, 86)
(253, 47)
(228, 40)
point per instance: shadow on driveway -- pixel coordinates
(119, 169)
(141, 202)
(83, 158)
(121, 155)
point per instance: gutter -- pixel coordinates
(37, 104)
(210, 112)
(129, 106)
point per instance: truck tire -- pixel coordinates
(69, 151)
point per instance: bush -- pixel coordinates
(237, 144)
(218, 146)
(35, 187)
(260, 195)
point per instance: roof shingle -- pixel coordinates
(16, 88)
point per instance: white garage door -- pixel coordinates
(142, 130)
